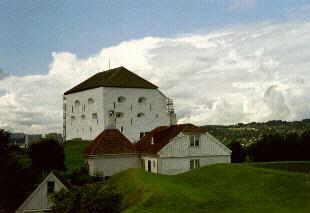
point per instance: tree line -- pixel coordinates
(18, 180)
(274, 147)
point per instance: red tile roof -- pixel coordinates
(162, 135)
(110, 141)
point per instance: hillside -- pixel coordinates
(213, 189)
(251, 132)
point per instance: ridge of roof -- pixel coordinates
(162, 136)
(110, 141)
(117, 77)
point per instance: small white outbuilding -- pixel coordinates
(39, 199)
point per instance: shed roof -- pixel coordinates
(162, 136)
(117, 77)
(110, 141)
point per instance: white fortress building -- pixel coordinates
(115, 98)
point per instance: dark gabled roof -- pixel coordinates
(110, 141)
(117, 77)
(162, 136)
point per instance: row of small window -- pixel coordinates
(194, 164)
(131, 108)
(122, 99)
(77, 104)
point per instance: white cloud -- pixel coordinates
(251, 73)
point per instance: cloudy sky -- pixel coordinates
(222, 61)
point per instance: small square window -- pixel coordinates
(50, 187)
(191, 164)
(194, 140)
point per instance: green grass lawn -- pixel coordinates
(74, 154)
(222, 188)
(293, 166)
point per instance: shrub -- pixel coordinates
(92, 198)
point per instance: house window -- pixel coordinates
(119, 114)
(154, 164)
(131, 121)
(83, 108)
(139, 115)
(194, 140)
(50, 187)
(194, 164)
(91, 101)
(122, 129)
(114, 105)
(142, 134)
(142, 100)
(94, 116)
(72, 109)
(131, 107)
(150, 107)
(121, 99)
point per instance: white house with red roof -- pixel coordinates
(168, 150)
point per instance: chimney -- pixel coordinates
(172, 115)
(111, 120)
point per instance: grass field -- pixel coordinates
(293, 166)
(74, 154)
(218, 188)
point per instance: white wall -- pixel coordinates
(154, 163)
(108, 165)
(180, 147)
(39, 199)
(154, 110)
(87, 128)
(173, 166)
(175, 157)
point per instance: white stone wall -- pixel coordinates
(80, 124)
(173, 166)
(154, 110)
(108, 165)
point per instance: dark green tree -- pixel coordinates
(92, 198)
(238, 152)
(47, 155)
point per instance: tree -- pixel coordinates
(47, 155)
(92, 198)
(238, 152)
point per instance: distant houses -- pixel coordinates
(25, 140)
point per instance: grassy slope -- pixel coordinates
(293, 166)
(74, 156)
(216, 188)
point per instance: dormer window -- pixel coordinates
(140, 115)
(194, 140)
(142, 100)
(121, 99)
